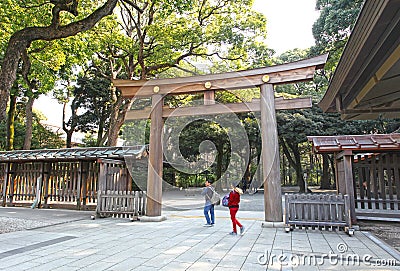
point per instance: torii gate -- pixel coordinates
(264, 78)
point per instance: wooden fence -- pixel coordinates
(377, 182)
(66, 183)
(116, 196)
(124, 204)
(61, 184)
(317, 211)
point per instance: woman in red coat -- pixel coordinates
(233, 204)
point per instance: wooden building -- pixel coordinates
(366, 82)
(366, 85)
(368, 170)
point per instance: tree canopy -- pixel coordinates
(43, 21)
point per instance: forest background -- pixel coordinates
(72, 49)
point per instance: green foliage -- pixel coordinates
(47, 58)
(42, 137)
(92, 104)
(168, 34)
(136, 132)
(332, 29)
(89, 140)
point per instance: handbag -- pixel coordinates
(215, 198)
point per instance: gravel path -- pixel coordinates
(10, 224)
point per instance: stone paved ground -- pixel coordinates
(75, 242)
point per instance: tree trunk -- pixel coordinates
(284, 169)
(10, 123)
(68, 140)
(294, 162)
(247, 176)
(28, 123)
(299, 170)
(100, 132)
(22, 39)
(325, 180)
(116, 103)
(74, 118)
(15, 48)
(117, 118)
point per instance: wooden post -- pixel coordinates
(209, 97)
(270, 156)
(79, 184)
(84, 184)
(101, 186)
(348, 177)
(154, 176)
(6, 182)
(46, 180)
(13, 169)
(340, 178)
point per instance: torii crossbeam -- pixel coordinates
(263, 78)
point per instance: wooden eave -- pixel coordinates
(366, 83)
(355, 143)
(279, 74)
(73, 154)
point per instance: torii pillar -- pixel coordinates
(270, 156)
(155, 168)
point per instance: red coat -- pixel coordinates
(234, 199)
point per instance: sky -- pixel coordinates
(289, 26)
(289, 23)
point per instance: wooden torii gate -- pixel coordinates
(264, 78)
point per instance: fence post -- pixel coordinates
(81, 183)
(5, 184)
(12, 181)
(45, 182)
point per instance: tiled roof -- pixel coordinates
(73, 154)
(359, 143)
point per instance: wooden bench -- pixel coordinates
(124, 204)
(318, 211)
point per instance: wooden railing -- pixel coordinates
(123, 204)
(317, 211)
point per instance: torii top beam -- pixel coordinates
(302, 70)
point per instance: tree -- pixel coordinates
(293, 128)
(159, 36)
(42, 137)
(333, 28)
(22, 39)
(92, 95)
(39, 63)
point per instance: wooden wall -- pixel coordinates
(377, 181)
